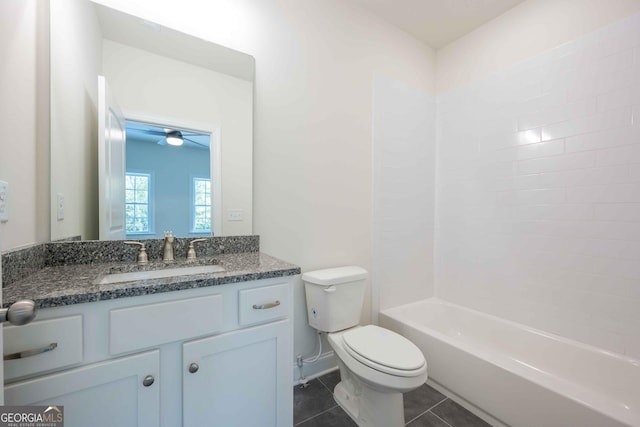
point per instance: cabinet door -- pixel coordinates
(104, 394)
(243, 378)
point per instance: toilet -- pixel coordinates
(376, 365)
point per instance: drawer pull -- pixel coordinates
(29, 353)
(266, 306)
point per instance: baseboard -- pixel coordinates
(325, 364)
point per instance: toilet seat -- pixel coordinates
(384, 351)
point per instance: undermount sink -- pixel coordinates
(157, 274)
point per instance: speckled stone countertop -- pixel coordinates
(61, 285)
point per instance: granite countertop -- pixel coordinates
(76, 284)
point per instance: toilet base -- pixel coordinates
(350, 404)
(368, 407)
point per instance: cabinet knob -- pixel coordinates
(193, 368)
(148, 380)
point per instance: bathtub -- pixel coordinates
(518, 375)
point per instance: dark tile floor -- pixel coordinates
(424, 407)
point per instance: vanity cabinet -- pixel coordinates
(251, 363)
(120, 392)
(212, 356)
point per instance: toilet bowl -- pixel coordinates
(376, 365)
(375, 374)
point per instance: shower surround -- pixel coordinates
(538, 191)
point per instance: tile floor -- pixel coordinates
(424, 407)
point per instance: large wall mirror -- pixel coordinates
(172, 88)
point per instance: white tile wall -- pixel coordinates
(538, 208)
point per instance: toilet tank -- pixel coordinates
(334, 297)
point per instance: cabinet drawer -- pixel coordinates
(42, 346)
(264, 304)
(144, 326)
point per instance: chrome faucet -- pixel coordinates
(167, 253)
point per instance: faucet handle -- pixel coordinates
(191, 252)
(142, 258)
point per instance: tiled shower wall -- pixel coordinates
(538, 204)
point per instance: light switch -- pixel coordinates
(235, 214)
(4, 201)
(60, 206)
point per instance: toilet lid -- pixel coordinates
(384, 350)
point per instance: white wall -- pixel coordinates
(404, 134)
(538, 183)
(155, 86)
(76, 62)
(24, 154)
(313, 160)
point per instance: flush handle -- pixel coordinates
(329, 289)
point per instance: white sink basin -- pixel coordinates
(157, 274)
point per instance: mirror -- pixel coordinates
(167, 80)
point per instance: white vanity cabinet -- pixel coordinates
(212, 356)
(120, 392)
(251, 363)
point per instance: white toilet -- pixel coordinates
(376, 364)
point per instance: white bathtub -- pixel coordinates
(519, 375)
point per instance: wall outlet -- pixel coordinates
(60, 206)
(4, 201)
(235, 214)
